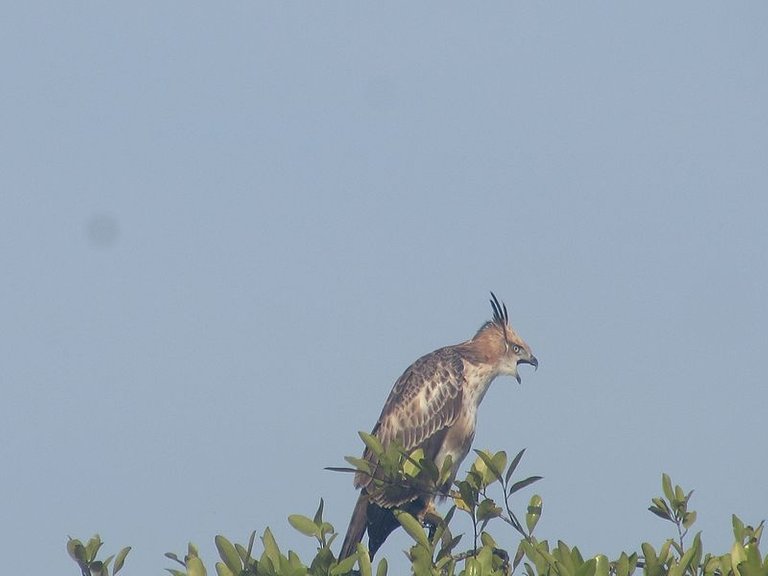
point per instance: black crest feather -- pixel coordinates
(500, 315)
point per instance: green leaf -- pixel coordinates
(475, 478)
(421, 560)
(534, 512)
(345, 566)
(322, 562)
(660, 513)
(270, 548)
(513, 465)
(518, 556)
(738, 528)
(666, 486)
(412, 466)
(373, 443)
(622, 565)
(412, 527)
(195, 567)
(738, 554)
(499, 463)
(709, 565)
(488, 541)
(686, 560)
(680, 497)
(292, 566)
(652, 565)
(77, 551)
(697, 552)
(472, 567)
(451, 544)
(517, 486)
(442, 525)
(449, 515)
(304, 525)
(588, 568)
(664, 551)
(541, 557)
(485, 557)
(757, 533)
(319, 514)
(360, 464)
(382, 568)
(251, 540)
(468, 494)
(363, 560)
(223, 570)
(173, 557)
(429, 471)
(494, 465)
(228, 554)
(120, 560)
(566, 566)
(601, 565)
(753, 564)
(446, 471)
(343, 468)
(326, 528)
(488, 510)
(92, 548)
(689, 518)
(649, 554)
(243, 553)
(482, 466)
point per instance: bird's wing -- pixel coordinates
(424, 401)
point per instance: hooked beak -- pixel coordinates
(533, 361)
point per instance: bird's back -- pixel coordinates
(423, 403)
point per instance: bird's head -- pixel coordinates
(502, 344)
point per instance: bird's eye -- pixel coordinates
(516, 349)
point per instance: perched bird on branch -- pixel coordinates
(433, 406)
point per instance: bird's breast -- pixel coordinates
(458, 441)
(459, 437)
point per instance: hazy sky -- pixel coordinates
(226, 230)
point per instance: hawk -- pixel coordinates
(433, 406)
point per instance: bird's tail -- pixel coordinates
(357, 525)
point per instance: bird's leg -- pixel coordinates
(503, 555)
(430, 519)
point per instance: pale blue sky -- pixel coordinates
(226, 230)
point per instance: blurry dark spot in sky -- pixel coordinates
(102, 230)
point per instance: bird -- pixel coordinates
(433, 406)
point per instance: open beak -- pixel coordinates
(533, 361)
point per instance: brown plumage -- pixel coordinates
(433, 406)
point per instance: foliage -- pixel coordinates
(436, 552)
(85, 557)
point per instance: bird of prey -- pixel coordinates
(433, 406)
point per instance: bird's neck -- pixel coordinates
(478, 379)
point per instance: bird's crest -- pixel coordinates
(500, 316)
